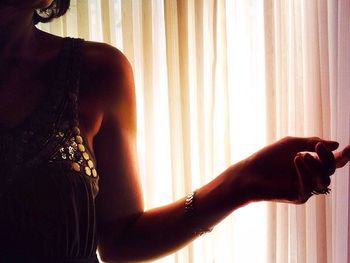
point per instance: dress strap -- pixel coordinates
(71, 83)
(76, 66)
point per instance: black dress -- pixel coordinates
(48, 176)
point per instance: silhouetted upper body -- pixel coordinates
(68, 156)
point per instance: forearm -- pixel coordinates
(164, 230)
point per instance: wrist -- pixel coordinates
(226, 193)
(190, 211)
(241, 184)
(252, 181)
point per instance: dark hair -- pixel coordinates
(56, 9)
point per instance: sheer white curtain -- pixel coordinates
(217, 80)
(339, 68)
(307, 77)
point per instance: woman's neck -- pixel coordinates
(17, 33)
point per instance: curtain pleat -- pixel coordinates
(83, 19)
(107, 20)
(128, 30)
(340, 197)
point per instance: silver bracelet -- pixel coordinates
(190, 211)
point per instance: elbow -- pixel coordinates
(117, 256)
(125, 253)
(105, 254)
(113, 241)
(119, 252)
(111, 255)
(105, 257)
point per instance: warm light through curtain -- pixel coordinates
(217, 80)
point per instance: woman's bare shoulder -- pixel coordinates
(110, 83)
(104, 58)
(106, 67)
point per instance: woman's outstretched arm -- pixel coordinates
(128, 233)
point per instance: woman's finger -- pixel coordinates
(320, 179)
(312, 162)
(309, 144)
(327, 158)
(305, 182)
(342, 158)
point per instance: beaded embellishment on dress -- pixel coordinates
(74, 151)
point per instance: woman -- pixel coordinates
(68, 105)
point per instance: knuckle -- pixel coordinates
(331, 166)
(327, 181)
(288, 138)
(331, 171)
(313, 141)
(315, 138)
(303, 199)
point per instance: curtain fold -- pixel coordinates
(340, 58)
(215, 81)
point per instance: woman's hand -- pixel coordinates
(342, 158)
(284, 172)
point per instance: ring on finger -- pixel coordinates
(324, 191)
